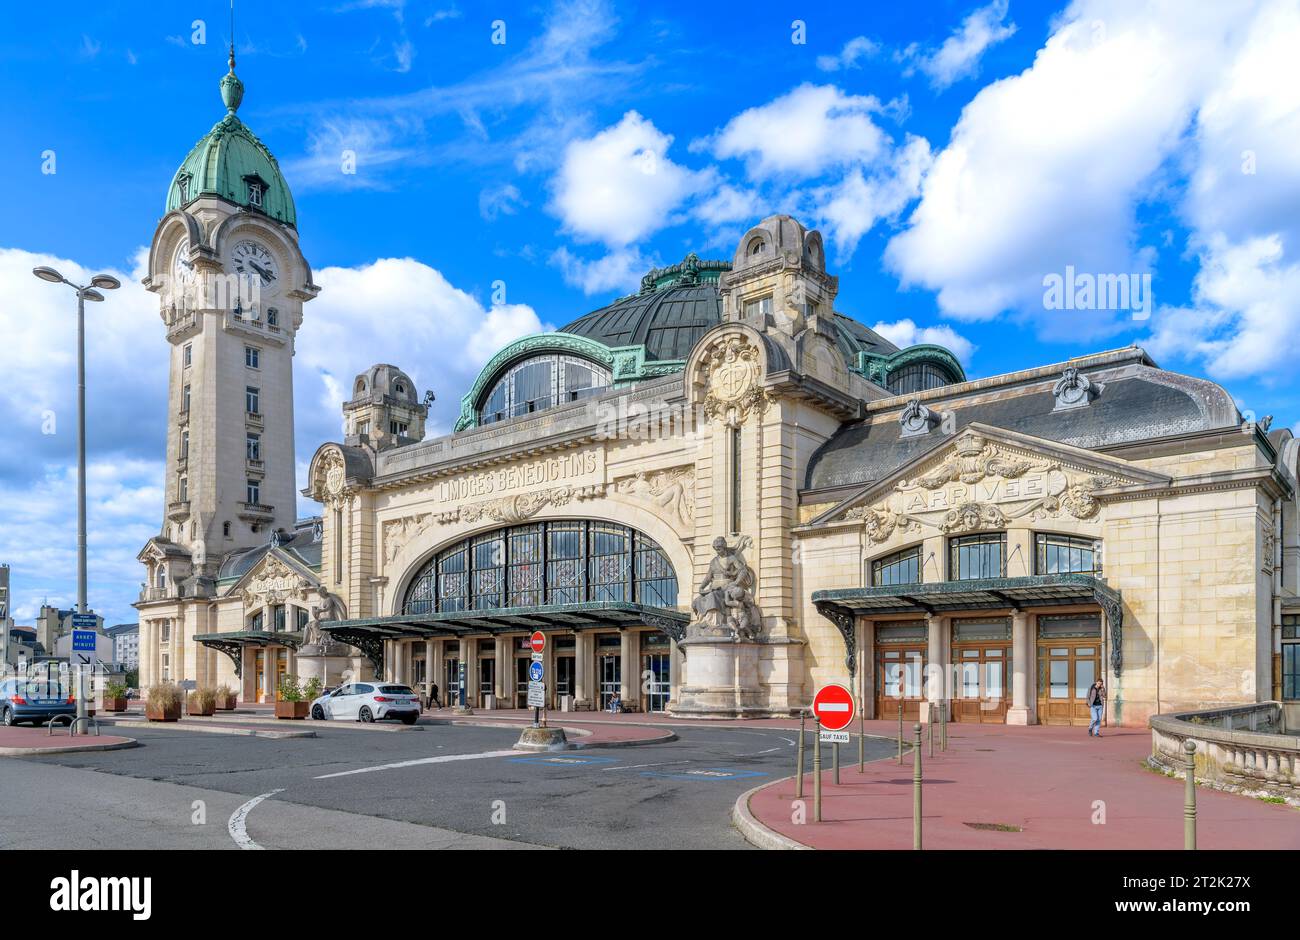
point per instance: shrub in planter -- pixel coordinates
(225, 698)
(163, 702)
(201, 702)
(115, 697)
(311, 690)
(290, 700)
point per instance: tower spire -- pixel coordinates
(232, 89)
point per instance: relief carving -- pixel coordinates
(672, 489)
(732, 373)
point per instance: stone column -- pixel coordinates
(467, 654)
(438, 668)
(629, 669)
(867, 666)
(582, 667)
(676, 674)
(1022, 710)
(505, 656)
(429, 671)
(935, 678)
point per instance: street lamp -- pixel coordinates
(90, 292)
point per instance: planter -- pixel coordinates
(170, 713)
(226, 704)
(115, 704)
(292, 710)
(200, 712)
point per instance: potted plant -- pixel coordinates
(290, 701)
(163, 702)
(115, 697)
(311, 690)
(225, 698)
(201, 702)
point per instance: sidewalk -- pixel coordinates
(1052, 783)
(30, 742)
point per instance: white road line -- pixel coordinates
(661, 763)
(442, 759)
(239, 820)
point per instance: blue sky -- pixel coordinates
(954, 154)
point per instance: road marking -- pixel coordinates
(239, 821)
(441, 759)
(661, 763)
(707, 773)
(539, 759)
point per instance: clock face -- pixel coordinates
(182, 266)
(254, 260)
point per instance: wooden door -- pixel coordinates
(982, 682)
(900, 677)
(259, 668)
(1066, 668)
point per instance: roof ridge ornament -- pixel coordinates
(232, 89)
(916, 419)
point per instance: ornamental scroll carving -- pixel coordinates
(982, 485)
(672, 489)
(331, 480)
(732, 369)
(275, 584)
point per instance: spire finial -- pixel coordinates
(232, 89)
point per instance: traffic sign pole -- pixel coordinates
(817, 773)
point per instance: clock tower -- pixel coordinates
(231, 281)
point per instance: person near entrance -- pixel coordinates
(433, 696)
(1096, 705)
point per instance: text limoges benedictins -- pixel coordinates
(523, 475)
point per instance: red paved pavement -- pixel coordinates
(26, 738)
(1042, 779)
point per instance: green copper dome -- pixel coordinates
(231, 163)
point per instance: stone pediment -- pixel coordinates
(275, 579)
(983, 478)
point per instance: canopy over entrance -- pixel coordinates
(844, 605)
(368, 634)
(232, 644)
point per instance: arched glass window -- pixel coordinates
(541, 382)
(564, 562)
(918, 377)
(1066, 554)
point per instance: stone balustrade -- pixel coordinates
(1244, 748)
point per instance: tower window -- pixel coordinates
(184, 489)
(185, 445)
(396, 427)
(757, 309)
(252, 399)
(254, 446)
(252, 357)
(254, 492)
(185, 398)
(225, 529)
(272, 316)
(187, 356)
(255, 194)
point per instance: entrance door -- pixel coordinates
(451, 684)
(1066, 668)
(259, 690)
(521, 681)
(654, 666)
(564, 672)
(900, 674)
(610, 679)
(981, 686)
(487, 680)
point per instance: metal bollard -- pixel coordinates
(943, 727)
(835, 761)
(817, 772)
(900, 731)
(1189, 797)
(862, 738)
(798, 786)
(916, 789)
(930, 728)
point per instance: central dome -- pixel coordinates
(680, 303)
(229, 162)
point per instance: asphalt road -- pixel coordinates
(437, 787)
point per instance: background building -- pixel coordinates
(126, 644)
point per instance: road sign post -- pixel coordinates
(537, 679)
(82, 658)
(833, 707)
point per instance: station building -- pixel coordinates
(988, 545)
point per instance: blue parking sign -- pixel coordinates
(83, 641)
(535, 672)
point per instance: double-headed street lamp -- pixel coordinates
(89, 292)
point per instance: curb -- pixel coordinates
(579, 732)
(38, 751)
(217, 729)
(753, 831)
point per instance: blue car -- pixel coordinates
(33, 700)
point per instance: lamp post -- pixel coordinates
(90, 292)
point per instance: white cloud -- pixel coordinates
(905, 332)
(960, 54)
(728, 203)
(619, 185)
(1047, 168)
(803, 133)
(619, 271)
(860, 47)
(351, 153)
(500, 200)
(851, 207)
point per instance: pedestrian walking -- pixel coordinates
(1096, 705)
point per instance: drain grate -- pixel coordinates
(993, 827)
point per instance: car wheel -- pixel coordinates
(7, 718)
(409, 719)
(317, 714)
(365, 715)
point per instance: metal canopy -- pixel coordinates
(232, 644)
(368, 634)
(843, 605)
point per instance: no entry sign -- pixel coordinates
(538, 641)
(833, 706)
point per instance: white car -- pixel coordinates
(368, 701)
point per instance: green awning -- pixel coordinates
(232, 644)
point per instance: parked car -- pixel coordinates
(368, 701)
(33, 700)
